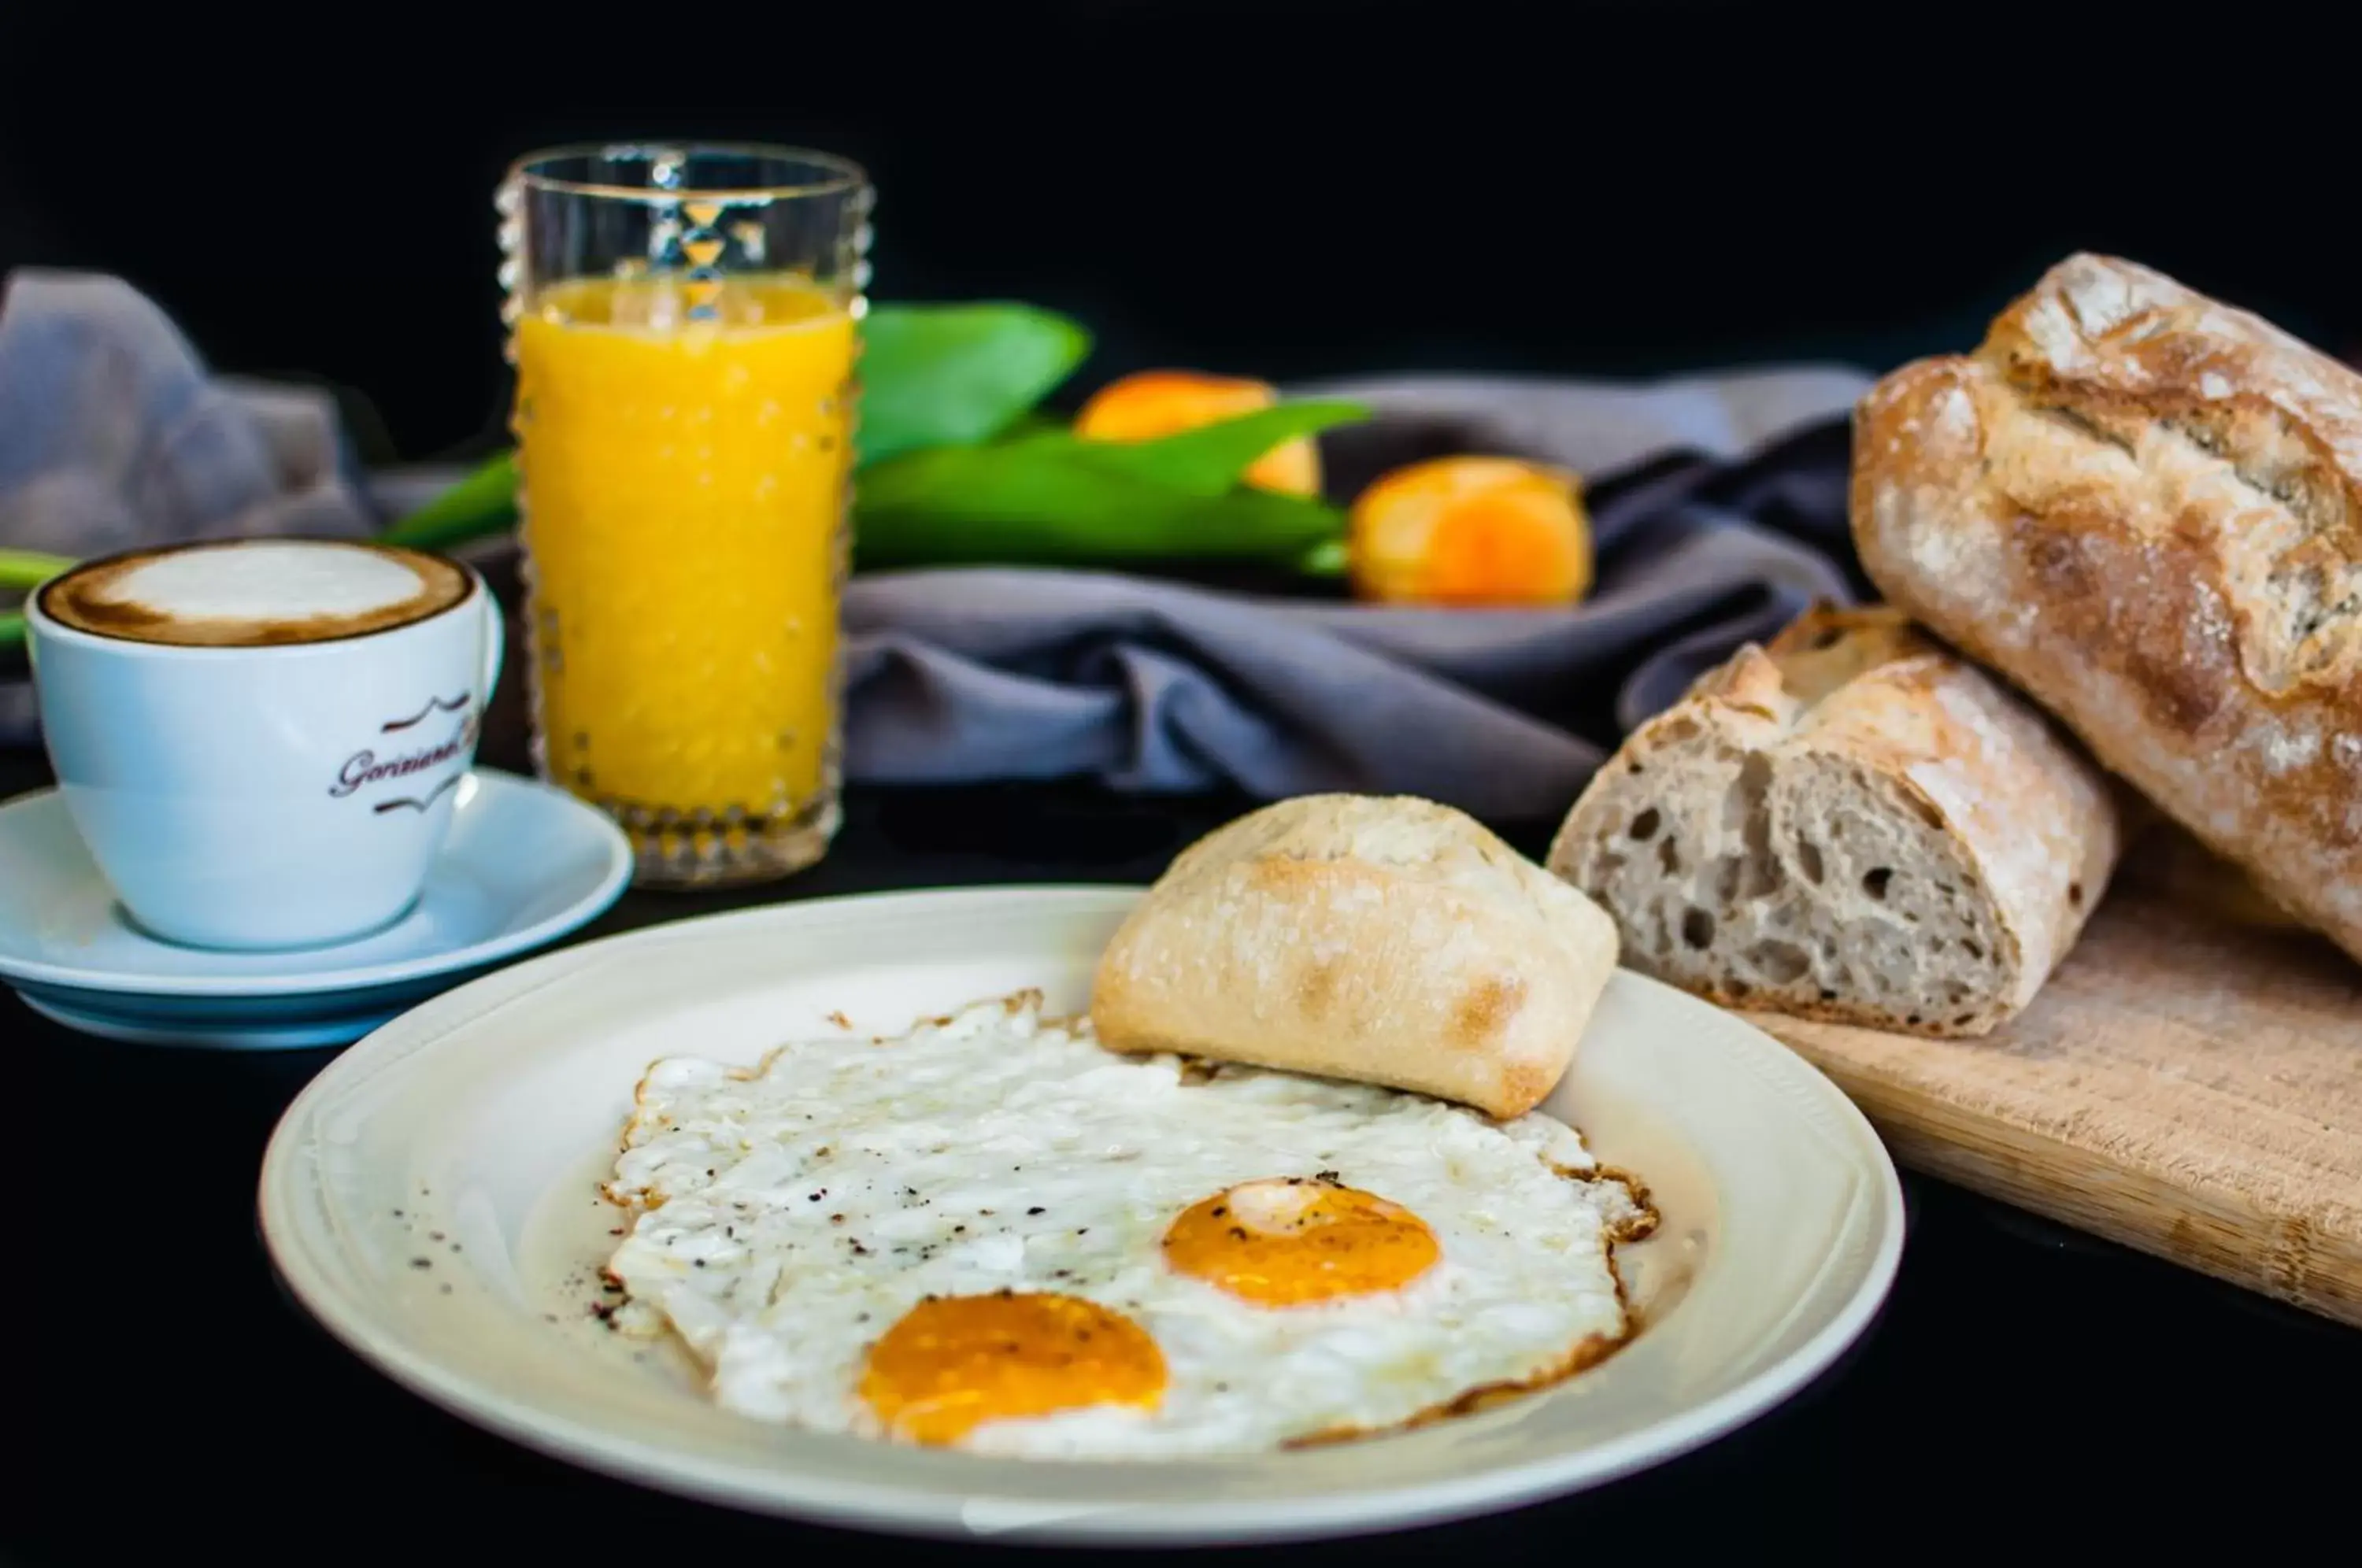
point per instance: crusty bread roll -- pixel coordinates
(2146, 510)
(1390, 940)
(1851, 824)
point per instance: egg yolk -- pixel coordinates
(953, 1363)
(1284, 1241)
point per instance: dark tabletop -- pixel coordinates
(180, 1401)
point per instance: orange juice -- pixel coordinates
(684, 484)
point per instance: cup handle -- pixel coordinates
(496, 639)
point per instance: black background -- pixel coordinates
(1287, 187)
(1292, 188)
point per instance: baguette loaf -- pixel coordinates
(1850, 824)
(1392, 941)
(2145, 510)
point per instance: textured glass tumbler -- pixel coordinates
(683, 321)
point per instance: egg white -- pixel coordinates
(789, 1214)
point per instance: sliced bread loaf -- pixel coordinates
(1851, 824)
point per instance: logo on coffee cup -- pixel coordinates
(366, 767)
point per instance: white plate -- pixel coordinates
(524, 863)
(485, 1116)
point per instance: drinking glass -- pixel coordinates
(683, 324)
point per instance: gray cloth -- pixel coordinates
(1718, 505)
(1719, 514)
(113, 437)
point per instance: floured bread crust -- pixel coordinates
(2144, 509)
(1388, 940)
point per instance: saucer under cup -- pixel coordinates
(525, 863)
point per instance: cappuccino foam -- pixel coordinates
(255, 592)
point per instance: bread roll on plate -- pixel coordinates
(1388, 940)
(1851, 824)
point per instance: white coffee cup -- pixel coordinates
(271, 794)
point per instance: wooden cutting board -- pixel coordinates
(2185, 1084)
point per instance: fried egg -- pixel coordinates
(991, 1234)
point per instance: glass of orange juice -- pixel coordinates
(682, 320)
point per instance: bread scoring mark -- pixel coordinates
(2174, 638)
(2168, 636)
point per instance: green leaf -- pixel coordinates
(12, 630)
(30, 569)
(484, 502)
(1330, 558)
(1035, 423)
(946, 375)
(1039, 502)
(1208, 459)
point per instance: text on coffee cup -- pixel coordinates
(365, 767)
